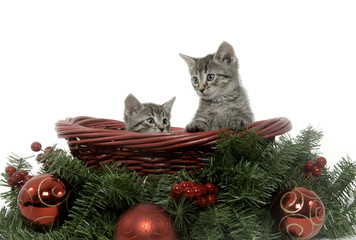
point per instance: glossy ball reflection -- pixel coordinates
(44, 201)
(145, 221)
(298, 213)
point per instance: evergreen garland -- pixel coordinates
(249, 171)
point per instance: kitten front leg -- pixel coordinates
(197, 126)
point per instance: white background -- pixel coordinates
(62, 59)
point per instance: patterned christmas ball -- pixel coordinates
(145, 221)
(44, 201)
(298, 213)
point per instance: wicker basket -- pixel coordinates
(96, 141)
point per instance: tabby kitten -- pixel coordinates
(147, 117)
(223, 100)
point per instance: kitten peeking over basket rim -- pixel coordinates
(223, 100)
(147, 117)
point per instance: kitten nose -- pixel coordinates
(161, 127)
(201, 90)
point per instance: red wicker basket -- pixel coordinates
(96, 141)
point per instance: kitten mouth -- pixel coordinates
(207, 96)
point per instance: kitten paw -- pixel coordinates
(195, 127)
(237, 124)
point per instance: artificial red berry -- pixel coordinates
(216, 190)
(187, 184)
(47, 149)
(10, 170)
(202, 189)
(36, 146)
(26, 178)
(175, 196)
(20, 185)
(196, 190)
(189, 193)
(10, 182)
(201, 201)
(23, 173)
(209, 187)
(39, 157)
(317, 171)
(177, 188)
(309, 166)
(16, 177)
(320, 162)
(211, 199)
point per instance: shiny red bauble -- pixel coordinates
(298, 213)
(44, 201)
(145, 221)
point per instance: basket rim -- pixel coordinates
(109, 132)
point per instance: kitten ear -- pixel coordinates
(225, 54)
(189, 60)
(168, 105)
(132, 105)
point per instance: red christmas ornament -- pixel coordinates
(298, 213)
(145, 221)
(44, 201)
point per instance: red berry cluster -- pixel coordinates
(195, 191)
(36, 147)
(16, 178)
(315, 168)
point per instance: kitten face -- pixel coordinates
(147, 117)
(211, 75)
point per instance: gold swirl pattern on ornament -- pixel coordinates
(318, 209)
(40, 197)
(295, 199)
(158, 223)
(293, 233)
(22, 203)
(43, 217)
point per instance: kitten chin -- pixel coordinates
(223, 100)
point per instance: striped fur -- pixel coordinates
(147, 117)
(223, 100)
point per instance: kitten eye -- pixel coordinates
(150, 120)
(195, 80)
(165, 121)
(210, 77)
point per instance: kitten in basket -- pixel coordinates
(223, 100)
(147, 117)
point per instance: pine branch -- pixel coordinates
(211, 224)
